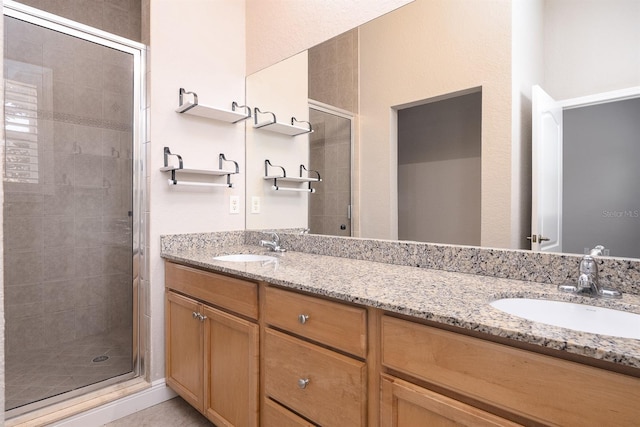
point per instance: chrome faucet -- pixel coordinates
(274, 244)
(588, 282)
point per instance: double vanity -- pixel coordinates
(301, 338)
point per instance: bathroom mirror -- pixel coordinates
(429, 51)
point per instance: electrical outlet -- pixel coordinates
(255, 204)
(234, 204)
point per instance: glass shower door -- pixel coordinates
(330, 154)
(68, 213)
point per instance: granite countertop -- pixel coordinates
(455, 299)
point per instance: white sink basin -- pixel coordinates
(579, 317)
(245, 258)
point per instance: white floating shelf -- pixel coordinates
(274, 125)
(208, 112)
(174, 170)
(284, 178)
(282, 128)
(197, 171)
(196, 109)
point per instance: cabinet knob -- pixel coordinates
(303, 382)
(201, 317)
(195, 315)
(302, 318)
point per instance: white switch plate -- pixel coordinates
(234, 204)
(255, 204)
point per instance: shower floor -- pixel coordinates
(38, 374)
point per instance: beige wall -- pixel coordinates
(276, 30)
(591, 46)
(198, 45)
(464, 45)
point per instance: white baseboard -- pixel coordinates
(157, 393)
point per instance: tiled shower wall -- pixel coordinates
(333, 71)
(67, 237)
(120, 17)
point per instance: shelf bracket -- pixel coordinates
(302, 167)
(235, 105)
(181, 94)
(267, 163)
(294, 121)
(221, 159)
(168, 153)
(257, 111)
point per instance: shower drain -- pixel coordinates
(100, 359)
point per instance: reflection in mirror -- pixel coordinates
(331, 141)
(281, 89)
(595, 140)
(440, 142)
(502, 48)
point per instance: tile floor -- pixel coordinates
(172, 413)
(35, 375)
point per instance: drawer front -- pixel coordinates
(239, 296)
(405, 404)
(337, 325)
(335, 394)
(275, 415)
(542, 388)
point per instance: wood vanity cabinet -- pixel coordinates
(303, 360)
(212, 350)
(314, 361)
(529, 387)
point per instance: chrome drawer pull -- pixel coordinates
(302, 318)
(303, 382)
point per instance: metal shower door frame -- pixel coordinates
(140, 192)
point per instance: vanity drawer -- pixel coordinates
(335, 394)
(239, 296)
(541, 388)
(337, 325)
(275, 415)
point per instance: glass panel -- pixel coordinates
(330, 154)
(68, 259)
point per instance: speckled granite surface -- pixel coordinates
(447, 297)
(505, 263)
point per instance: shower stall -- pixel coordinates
(72, 205)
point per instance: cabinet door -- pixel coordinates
(231, 369)
(407, 405)
(183, 349)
